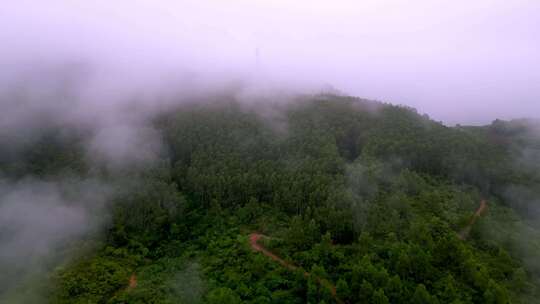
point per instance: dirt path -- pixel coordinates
(255, 237)
(254, 242)
(464, 233)
(132, 282)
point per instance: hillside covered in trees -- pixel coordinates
(370, 198)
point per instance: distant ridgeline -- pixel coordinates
(366, 195)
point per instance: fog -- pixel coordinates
(107, 67)
(457, 61)
(38, 218)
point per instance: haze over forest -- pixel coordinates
(459, 62)
(377, 151)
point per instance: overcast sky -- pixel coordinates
(458, 61)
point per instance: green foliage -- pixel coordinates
(51, 152)
(149, 214)
(365, 195)
(223, 295)
(421, 296)
(92, 281)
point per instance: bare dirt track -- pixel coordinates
(464, 233)
(254, 242)
(132, 282)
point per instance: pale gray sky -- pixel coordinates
(458, 61)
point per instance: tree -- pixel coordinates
(495, 294)
(223, 295)
(365, 292)
(342, 289)
(379, 297)
(421, 295)
(312, 291)
(394, 289)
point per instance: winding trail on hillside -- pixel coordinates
(464, 233)
(254, 242)
(255, 237)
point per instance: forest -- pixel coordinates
(322, 199)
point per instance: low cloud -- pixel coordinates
(38, 218)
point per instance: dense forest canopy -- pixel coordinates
(372, 199)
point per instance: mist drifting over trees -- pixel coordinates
(202, 152)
